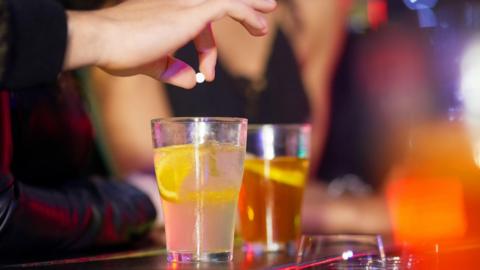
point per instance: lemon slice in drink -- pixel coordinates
(286, 170)
(172, 165)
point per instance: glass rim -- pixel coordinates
(342, 235)
(188, 119)
(281, 126)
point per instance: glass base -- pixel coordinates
(186, 257)
(269, 247)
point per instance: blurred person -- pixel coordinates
(387, 84)
(392, 92)
(54, 196)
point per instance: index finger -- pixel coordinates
(247, 12)
(207, 52)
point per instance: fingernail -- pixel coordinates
(270, 1)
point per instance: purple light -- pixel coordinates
(347, 255)
(420, 4)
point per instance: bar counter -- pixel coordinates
(155, 258)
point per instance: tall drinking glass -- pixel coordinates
(270, 201)
(199, 166)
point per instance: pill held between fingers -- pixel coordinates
(200, 77)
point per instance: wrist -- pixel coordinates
(84, 41)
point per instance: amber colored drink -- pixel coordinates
(270, 201)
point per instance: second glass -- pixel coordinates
(199, 165)
(276, 169)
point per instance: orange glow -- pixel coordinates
(450, 255)
(433, 198)
(249, 256)
(248, 259)
(426, 210)
(173, 265)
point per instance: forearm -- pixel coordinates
(134, 37)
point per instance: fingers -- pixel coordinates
(262, 5)
(255, 24)
(178, 73)
(207, 52)
(247, 12)
(173, 71)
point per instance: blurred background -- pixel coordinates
(404, 118)
(391, 88)
(400, 66)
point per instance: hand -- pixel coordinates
(139, 36)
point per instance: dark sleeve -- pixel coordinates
(81, 214)
(96, 213)
(35, 42)
(3, 38)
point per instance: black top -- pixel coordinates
(37, 38)
(278, 98)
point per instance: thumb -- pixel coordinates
(172, 71)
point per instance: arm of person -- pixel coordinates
(154, 34)
(317, 45)
(43, 36)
